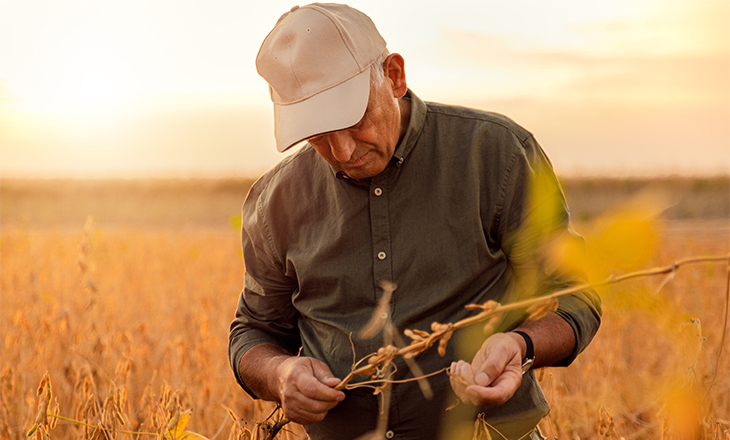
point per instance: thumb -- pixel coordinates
(498, 353)
(324, 374)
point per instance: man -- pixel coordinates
(388, 188)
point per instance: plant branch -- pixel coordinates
(491, 309)
(78, 422)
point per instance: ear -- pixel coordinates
(394, 68)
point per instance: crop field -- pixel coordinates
(122, 293)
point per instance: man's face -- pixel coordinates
(364, 149)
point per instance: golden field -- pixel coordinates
(128, 313)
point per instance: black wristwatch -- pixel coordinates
(530, 352)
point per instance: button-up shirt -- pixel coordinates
(438, 222)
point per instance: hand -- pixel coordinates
(306, 389)
(494, 374)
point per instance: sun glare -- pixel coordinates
(89, 81)
(79, 74)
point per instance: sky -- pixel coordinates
(145, 88)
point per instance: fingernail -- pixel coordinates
(482, 379)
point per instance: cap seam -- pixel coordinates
(339, 31)
(328, 88)
(291, 65)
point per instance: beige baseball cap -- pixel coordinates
(317, 62)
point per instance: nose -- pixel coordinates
(342, 145)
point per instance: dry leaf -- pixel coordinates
(481, 432)
(491, 324)
(443, 341)
(541, 309)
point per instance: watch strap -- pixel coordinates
(529, 352)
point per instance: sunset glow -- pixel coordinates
(170, 88)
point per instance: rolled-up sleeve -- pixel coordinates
(265, 313)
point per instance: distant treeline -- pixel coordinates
(216, 202)
(684, 198)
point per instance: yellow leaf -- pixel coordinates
(568, 253)
(189, 435)
(236, 221)
(176, 429)
(683, 409)
(617, 243)
(625, 241)
(543, 215)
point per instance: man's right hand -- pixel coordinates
(303, 386)
(306, 389)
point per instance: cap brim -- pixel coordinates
(334, 109)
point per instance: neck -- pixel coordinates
(405, 116)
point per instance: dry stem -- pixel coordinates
(491, 309)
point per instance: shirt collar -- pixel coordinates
(415, 126)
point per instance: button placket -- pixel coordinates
(380, 231)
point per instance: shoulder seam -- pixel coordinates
(527, 134)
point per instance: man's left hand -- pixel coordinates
(494, 374)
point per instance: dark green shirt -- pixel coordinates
(437, 222)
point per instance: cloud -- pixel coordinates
(633, 77)
(633, 106)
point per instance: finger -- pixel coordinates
(459, 383)
(491, 369)
(302, 415)
(483, 396)
(309, 405)
(331, 381)
(322, 372)
(501, 354)
(312, 388)
(465, 370)
(499, 391)
(304, 410)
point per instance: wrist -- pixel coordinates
(260, 369)
(528, 355)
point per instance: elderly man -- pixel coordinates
(387, 188)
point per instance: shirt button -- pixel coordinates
(389, 434)
(378, 191)
(381, 255)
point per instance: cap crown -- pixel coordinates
(315, 48)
